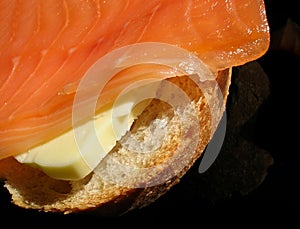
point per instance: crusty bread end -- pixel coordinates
(113, 189)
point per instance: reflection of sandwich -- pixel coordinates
(50, 166)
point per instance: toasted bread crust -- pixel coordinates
(32, 189)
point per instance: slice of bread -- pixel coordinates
(164, 142)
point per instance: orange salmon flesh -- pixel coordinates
(47, 46)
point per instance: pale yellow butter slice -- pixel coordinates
(62, 158)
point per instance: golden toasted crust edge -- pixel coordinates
(32, 189)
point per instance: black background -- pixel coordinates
(275, 200)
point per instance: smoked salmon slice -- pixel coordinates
(46, 46)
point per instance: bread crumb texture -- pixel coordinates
(163, 143)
